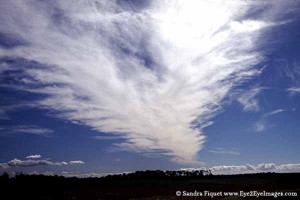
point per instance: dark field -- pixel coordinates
(148, 185)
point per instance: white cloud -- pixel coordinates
(247, 168)
(231, 169)
(33, 130)
(33, 161)
(148, 74)
(76, 162)
(294, 90)
(83, 175)
(4, 110)
(34, 156)
(274, 112)
(47, 173)
(288, 168)
(27, 129)
(266, 167)
(106, 137)
(28, 163)
(261, 124)
(247, 25)
(224, 151)
(60, 163)
(3, 166)
(248, 99)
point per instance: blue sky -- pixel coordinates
(97, 87)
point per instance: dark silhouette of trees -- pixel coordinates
(138, 185)
(160, 175)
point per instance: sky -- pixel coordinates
(95, 87)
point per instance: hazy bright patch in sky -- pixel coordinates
(151, 74)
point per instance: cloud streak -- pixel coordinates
(34, 161)
(28, 163)
(76, 162)
(248, 99)
(274, 112)
(27, 129)
(293, 90)
(261, 124)
(37, 156)
(151, 74)
(224, 151)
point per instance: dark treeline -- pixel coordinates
(138, 175)
(139, 185)
(145, 175)
(158, 174)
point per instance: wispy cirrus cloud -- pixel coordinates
(152, 74)
(109, 137)
(4, 110)
(249, 100)
(224, 151)
(293, 90)
(274, 112)
(261, 124)
(27, 129)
